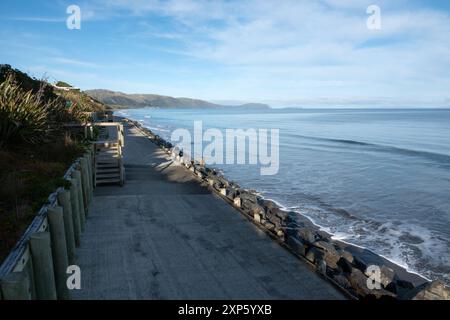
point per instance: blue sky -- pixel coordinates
(286, 53)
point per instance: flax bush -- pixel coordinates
(23, 117)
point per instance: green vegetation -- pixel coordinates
(23, 118)
(63, 84)
(35, 147)
(81, 101)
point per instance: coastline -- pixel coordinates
(415, 277)
(396, 279)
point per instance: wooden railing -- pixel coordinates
(109, 166)
(36, 267)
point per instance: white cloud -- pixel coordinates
(39, 19)
(74, 62)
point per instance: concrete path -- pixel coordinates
(163, 236)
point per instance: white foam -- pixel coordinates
(395, 255)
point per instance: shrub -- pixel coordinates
(23, 118)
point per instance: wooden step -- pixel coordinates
(107, 181)
(103, 164)
(107, 158)
(114, 153)
(110, 157)
(115, 147)
(98, 160)
(107, 170)
(107, 149)
(107, 165)
(110, 145)
(107, 176)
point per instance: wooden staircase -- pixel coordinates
(109, 167)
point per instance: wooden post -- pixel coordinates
(75, 211)
(87, 156)
(90, 174)
(59, 250)
(43, 266)
(16, 286)
(91, 180)
(64, 201)
(82, 168)
(77, 177)
(94, 169)
(121, 135)
(91, 132)
(28, 269)
(84, 183)
(88, 179)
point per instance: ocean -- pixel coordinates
(379, 179)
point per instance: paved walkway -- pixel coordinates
(163, 236)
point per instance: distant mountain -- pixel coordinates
(122, 100)
(253, 106)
